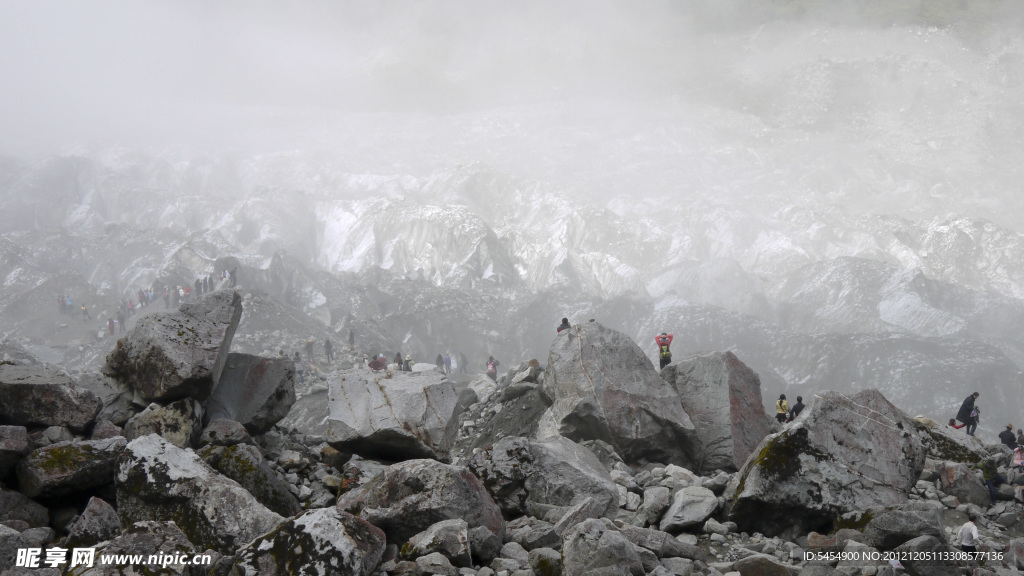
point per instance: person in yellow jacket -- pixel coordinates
(782, 409)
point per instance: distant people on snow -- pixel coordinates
(564, 325)
(492, 368)
(1008, 438)
(968, 414)
(664, 340)
(796, 409)
(781, 409)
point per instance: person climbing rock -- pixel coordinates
(664, 340)
(492, 368)
(966, 414)
(299, 367)
(781, 409)
(1008, 438)
(796, 409)
(990, 473)
(564, 325)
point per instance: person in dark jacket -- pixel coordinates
(407, 365)
(439, 361)
(990, 472)
(796, 409)
(966, 414)
(492, 368)
(398, 360)
(564, 325)
(329, 349)
(1020, 437)
(1007, 437)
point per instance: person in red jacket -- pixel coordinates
(664, 354)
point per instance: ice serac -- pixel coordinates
(40, 396)
(722, 396)
(847, 454)
(604, 387)
(158, 481)
(172, 355)
(254, 391)
(394, 416)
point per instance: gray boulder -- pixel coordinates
(309, 413)
(401, 415)
(722, 396)
(957, 479)
(408, 497)
(180, 422)
(254, 391)
(224, 432)
(14, 445)
(530, 533)
(691, 506)
(115, 397)
(171, 355)
(98, 523)
(39, 396)
(661, 543)
(894, 527)
(845, 454)
(244, 463)
(656, 502)
(921, 557)
(319, 541)
(16, 507)
(555, 471)
(604, 387)
(592, 547)
(163, 539)
(448, 537)
(104, 429)
(69, 467)
(945, 443)
(158, 481)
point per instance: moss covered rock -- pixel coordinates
(69, 467)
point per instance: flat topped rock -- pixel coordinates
(172, 355)
(40, 396)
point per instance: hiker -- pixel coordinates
(448, 363)
(564, 325)
(351, 340)
(398, 360)
(968, 534)
(782, 409)
(462, 363)
(1020, 437)
(85, 313)
(664, 354)
(329, 349)
(968, 414)
(796, 409)
(990, 473)
(110, 326)
(378, 363)
(309, 349)
(492, 368)
(1018, 458)
(1008, 438)
(120, 321)
(299, 367)
(234, 276)
(407, 365)
(167, 298)
(439, 361)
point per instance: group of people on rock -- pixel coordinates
(783, 413)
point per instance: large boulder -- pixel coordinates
(116, 397)
(845, 454)
(927, 556)
(408, 497)
(722, 396)
(308, 414)
(15, 506)
(69, 467)
(691, 506)
(98, 522)
(894, 527)
(957, 479)
(158, 481)
(253, 390)
(945, 443)
(14, 445)
(162, 539)
(171, 355)
(556, 471)
(604, 387)
(448, 537)
(180, 422)
(39, 396)
(319, 541)
(244, 463)
(396, 416)
(592, 547)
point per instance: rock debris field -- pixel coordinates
(587, 462)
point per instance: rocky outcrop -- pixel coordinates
(957, 479)
(447, 537)
(246, 465)
(691, 506)
(895, 527)
(309, 413)
(172, 355)
(39, 396)
(163, 539)
(394, 416)
(253, 390)
(922, 557)
(521, 473)
(115, 396)
(320, 541)
(722, 396)
(945, 443)
(848, 453)
(408, 497)
(69, 467)
(604, 387)
(14, 445)
(98, 522)
(180, 422)
(16, 507)
(159, 481)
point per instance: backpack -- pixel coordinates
(665, 352)
(491, 368)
